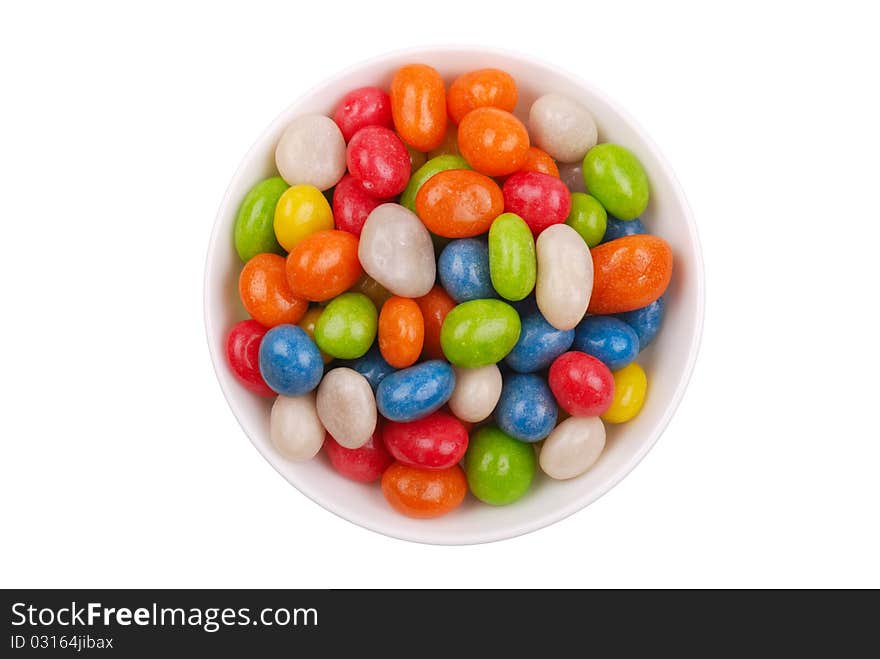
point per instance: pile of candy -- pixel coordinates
(431, 284)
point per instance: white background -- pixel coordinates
(121, 464)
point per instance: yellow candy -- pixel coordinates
(308, 322)
(301, 211)
(630, 386)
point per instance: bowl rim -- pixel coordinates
(576, 504)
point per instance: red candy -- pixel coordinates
(367, 106)
(379, 161)
(365, 464)
(352, 205)
(243, 355)
(540, 199)
(437, 441)
(582, 385)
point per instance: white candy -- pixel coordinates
(562, 127)
(476, 392)
(294, 427)
(573, 447)
(565, 276)
(347, 407)
(311, 151)
(396, 250)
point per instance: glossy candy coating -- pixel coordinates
(588, 218)
(645, 321)
(479, 333)
(365, 106)
(476, 392)
(301, 211)
(426, 171)
(538, 345)
(352, 205)
(629, 273)
(347, 327)
(372, 366)
(526, 409)
(308, 323)
(459, 203)
(265, 293)
(562, 127)
(311, 151)
(608, 339)
(423, 493)
(573, 447)
(499, 468)
(243, 355)
(347, 407)
(289, 361)
(437, 441)
(480, 89)
(630, 388)
(615, 177)
(582, 385)
(435, 304)
(254, 231)
(364, 464)
(294, 428)
(323, 265)
(620, 228)
(401, 331)
(463, 268)
(415, 392)
(540, 161)
(378, 161)
(539, 199)
(493, 141)
(565, 276)
(418, 106)
(513, 264)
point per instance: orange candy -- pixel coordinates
(265, 293)
(459, 203)
(423, 493)
(539, 161)
(493, 141)
(480, 89)
(401, 332)
(434, 305)
(323, 265)
(418, 106)
(629, 273)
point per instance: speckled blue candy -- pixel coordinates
(526, 409)
(290, 362)
(619, 228)
(415, 392)
(464, 270)
(608, 339)
(372, 366)
(645, 321)
(538, 345)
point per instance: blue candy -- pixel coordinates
(464, 270)
(372, 366)
(414, 392)
(608, 339)
(538, 345)
(290, 362)
(645, 321)
(526, 409)
(618, 228)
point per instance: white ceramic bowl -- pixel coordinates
(668, 362)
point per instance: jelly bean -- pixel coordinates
(463, 268)
(562, 127)
(459, 203)
(573, 447)
(347, 407)
(415, 392)
(311, 151)
(301, 211)
(265, 293)
(476, 393)
(582, 385)
(437, 441)
(620, 228)
(372, 366)
(630, 386)
(645, 321)
(289, 361)
(372, 289)
(481, 89)
(539, 161)
(608, 339)
(479, 333)
(526, 409)
(434, 305)
(243, 355)
(615, 177)
(351, 205)
(254, 232)
(364, 464)
(565, 276)
(572, 174)
(426, 171)
(499, 468)
(539, 199)
(347, 327)
(512, 262)
(396, 250)
(588, 218)
(423, 493)
(538, 345)
(308, 323)
(630, 272)
(294, 428)
(323, 265)
(379, 161)
(418, 105)
(401, 332)
(362, 107)
(493, 141)
(449, 145)
(416, 158)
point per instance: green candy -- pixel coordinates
(512, 263)
(479, 332)
(254, 231)
(347, 327)
(588, 218)
(426, 171)
(499, 468)
(615, 177)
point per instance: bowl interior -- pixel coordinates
(668, 361)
